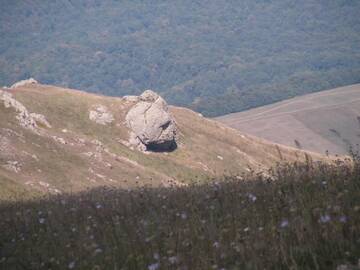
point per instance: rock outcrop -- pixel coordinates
(23, 82)
(131, 98)
(26, 119)
(151, 124)
(101, 115)
(40, 119)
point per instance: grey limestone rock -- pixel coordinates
(152, 126)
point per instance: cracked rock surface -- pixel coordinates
(152, 126)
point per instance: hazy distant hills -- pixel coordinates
(215, 57)
(328, 120)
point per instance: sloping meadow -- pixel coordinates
(298, 217)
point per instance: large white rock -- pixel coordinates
(151, 124)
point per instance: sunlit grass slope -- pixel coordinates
(94, 155)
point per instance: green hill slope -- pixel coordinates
(77, 153)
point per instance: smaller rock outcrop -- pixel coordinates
(24, 117)
(101, 115)
(13, 165)
(152, 126)
(23, 82)
(131, 98)
(40, 119)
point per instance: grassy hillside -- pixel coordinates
(308, 218)
(77, 153)
(325, 121)
(215, 57)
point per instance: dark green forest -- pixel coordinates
(213, 56)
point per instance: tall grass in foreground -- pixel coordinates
(302, 217)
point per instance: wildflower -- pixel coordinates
(284, 223)
(252, 197)
(156, 256)
(98, 206)
(173, 260)
(216, 245)
(41, 220)
(154, 266)
(260, 229)
(343, 219)
(324, 218)
(148, 239)
(183, 215)
(98, 250)
(71, 265)
(246, 229)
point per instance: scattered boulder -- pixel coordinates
(13, 165)
(59, 139)
(23, 82)
(40, 119)
(131, 98)
(151, 124)
(101, 115)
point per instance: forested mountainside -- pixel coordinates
(215, 57)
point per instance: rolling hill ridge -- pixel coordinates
(50, 143)
(327, 121)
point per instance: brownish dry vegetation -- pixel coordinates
(324, 122)
(298, 217)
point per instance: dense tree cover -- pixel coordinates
(214, 56)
